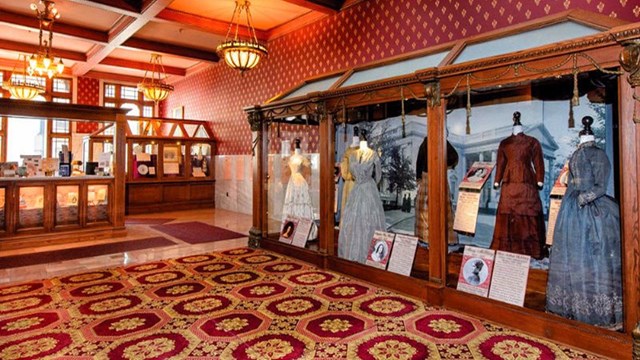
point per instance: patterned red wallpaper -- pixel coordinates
(368, 31)
(88, 94)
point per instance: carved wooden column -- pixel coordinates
(260, 186)
(437, 177)
(119, 164)
(327, 184)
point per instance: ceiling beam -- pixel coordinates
(324, 6)
(170, 49)
(113, 77)
(121, 7)
(122, 32)
(30, 22)
(206, 24)
(31, 48)
(131, 64)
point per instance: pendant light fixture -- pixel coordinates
(154, 86)
(20, 85)
(43, 62)
(240, 54)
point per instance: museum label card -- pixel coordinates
(554, 209)
(380, 249)
(510, 276)
(467, 212)
(301, 234)
(475, 270)
(404, 251)
(288, 229)
(477, 175)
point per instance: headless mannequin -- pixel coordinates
(517, 129)
(364, 146)
(586, 138)
(355, 140)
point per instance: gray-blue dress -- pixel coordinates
(585, 267)
(363, 213)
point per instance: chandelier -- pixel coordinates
(154, 87)
(43, 62)
(241, 54)
(20, 85)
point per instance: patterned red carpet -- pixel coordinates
(241, 304)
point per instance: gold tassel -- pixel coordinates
(468, 130)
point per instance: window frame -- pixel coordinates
(118, 100)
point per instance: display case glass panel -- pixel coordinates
(293, 184)
(534, 193)
(97, 203)
(377, 186)
(31, 207)
(67, 205)
(3, 212)
(173, 160)
(145, 160)
(200, 160)
(313, 86)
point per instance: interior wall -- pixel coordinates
(369, 31)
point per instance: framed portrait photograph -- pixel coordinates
(171, 154)
(177, 112)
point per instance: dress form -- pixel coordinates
(297, 199)
(345, 172)
(516, 130)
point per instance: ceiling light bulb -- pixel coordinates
(46, 62)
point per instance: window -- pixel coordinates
(128, 97)
(20, 136)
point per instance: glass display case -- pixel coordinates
(31, 207)
(67, 205)
(489, 231)
(3, 210)
(169, 164)
(97, 203)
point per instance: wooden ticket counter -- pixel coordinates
(52, 209)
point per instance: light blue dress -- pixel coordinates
(585, 281)
(363, 213)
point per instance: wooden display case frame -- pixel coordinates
(599, 51)
(12, 237)
(165, 192)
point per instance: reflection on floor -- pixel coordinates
(82, 257)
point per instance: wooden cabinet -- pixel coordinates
(169, 163)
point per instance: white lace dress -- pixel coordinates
(297, 200)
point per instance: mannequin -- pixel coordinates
(585, 269)
(363, 213)
(349, 181)
(520, 174)
(422, 200)
(297, 200)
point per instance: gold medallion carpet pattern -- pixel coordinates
(241, 304)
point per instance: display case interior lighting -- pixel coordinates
(241, 54)
(43, 61)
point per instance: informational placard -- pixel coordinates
(104, 160)
(560, 186)
(301, 234)
(288, 229)
(510, 275)
(380, 249)
(33, 163)
(554, 209)
(477, 175)
(171, 168)
(475, 270)
(467, 212)
(403, 254)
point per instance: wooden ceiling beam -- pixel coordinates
(31, 48)
(121, 33)
(122, 7)
(131, 64)
(113, 77)
(206, 24)
(324, 6)
(170, 49)
(30, 22)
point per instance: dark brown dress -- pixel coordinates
(519, 221)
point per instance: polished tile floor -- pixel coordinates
(136, 231)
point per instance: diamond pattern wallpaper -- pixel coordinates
(369, 31)
(88, 94)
